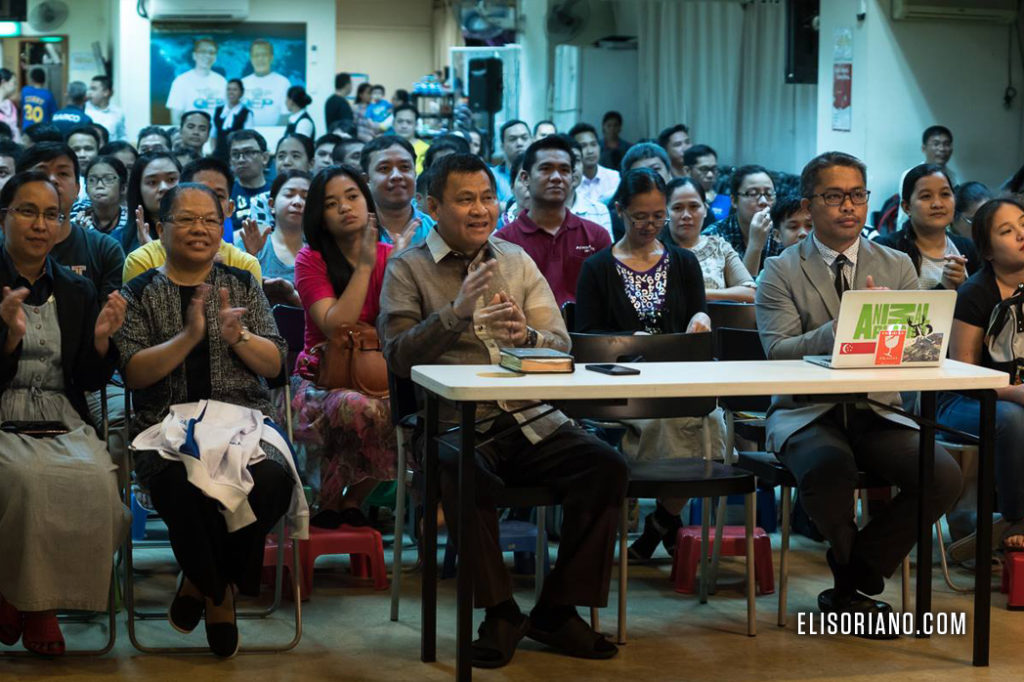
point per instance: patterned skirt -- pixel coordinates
(348, 433)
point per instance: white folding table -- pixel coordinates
(467, 385)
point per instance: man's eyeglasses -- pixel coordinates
(707, 170)
(245, 154)
(642, 220)
(106, 180)
(205, 221)
(858, 197)
(754, 194)
(31, 214)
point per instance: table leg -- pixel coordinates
(983, 549)
(466, 544)
(925, 477)
(428, 603)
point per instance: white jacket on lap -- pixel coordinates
(217, 442)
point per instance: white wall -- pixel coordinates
(391, 40)
(537, 61)
(608, 82)
(131, 71)
(909, 75)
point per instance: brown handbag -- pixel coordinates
(352, 359)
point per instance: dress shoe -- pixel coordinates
(831, 601)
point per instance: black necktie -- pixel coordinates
(841, 284)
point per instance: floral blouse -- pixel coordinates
(646, 291)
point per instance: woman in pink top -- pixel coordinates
(338, 276)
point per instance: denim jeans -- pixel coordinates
(962, 413)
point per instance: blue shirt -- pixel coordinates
(426, 225)
(37, 106)
(502, 182)
(270, 264)
(243, 198)
(69, 118)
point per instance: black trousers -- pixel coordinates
(211, 557)
(589, 476)
(825, 457)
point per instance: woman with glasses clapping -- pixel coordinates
(61, 517)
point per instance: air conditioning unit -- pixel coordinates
(992, 11)
(198, 10)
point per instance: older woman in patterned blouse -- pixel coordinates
(643, 286)
(202, 330)
(725, 276)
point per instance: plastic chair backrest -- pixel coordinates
(741, 344)
(291, 323)
(732, 314)
(569, 315)
(402, 398)
(607, 348)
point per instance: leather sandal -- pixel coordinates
(1014, 529)
(42, 635)
(185, 611)
(10, 623)
(497, 642)
(576, 638)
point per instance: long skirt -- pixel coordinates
(349, 433)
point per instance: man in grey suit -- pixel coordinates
(824, 444)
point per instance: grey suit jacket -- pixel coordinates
(796, 303)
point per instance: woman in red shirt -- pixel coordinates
(338, 276)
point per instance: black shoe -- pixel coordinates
(185, 612)
(497, 641)
(831, 601)
(643, 547)
(223, 637)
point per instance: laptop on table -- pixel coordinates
(906, 328)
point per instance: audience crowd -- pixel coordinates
(153, 265)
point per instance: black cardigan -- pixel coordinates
(903, 240)
(602, 306)
(77, 310)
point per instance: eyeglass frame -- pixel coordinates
(191, 221)
(105, 180)
(651, 220)
(34, 214)
(245, 154)
(769, 195)
(844, 197)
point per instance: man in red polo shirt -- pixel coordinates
(556, 239)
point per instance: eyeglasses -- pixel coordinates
(101, 180)
(858, 197)
(205, 221)
(245, 154)
(754, 194)
(31, 214)
(707, 170)
(644, 220)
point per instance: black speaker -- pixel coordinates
(802, 41)
(485, 86)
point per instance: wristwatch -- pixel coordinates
(242, 338)
(531, 337)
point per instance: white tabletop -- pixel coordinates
(697, 379)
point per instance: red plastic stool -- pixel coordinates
(1013, 580)
(688, 547)
(364, 546)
